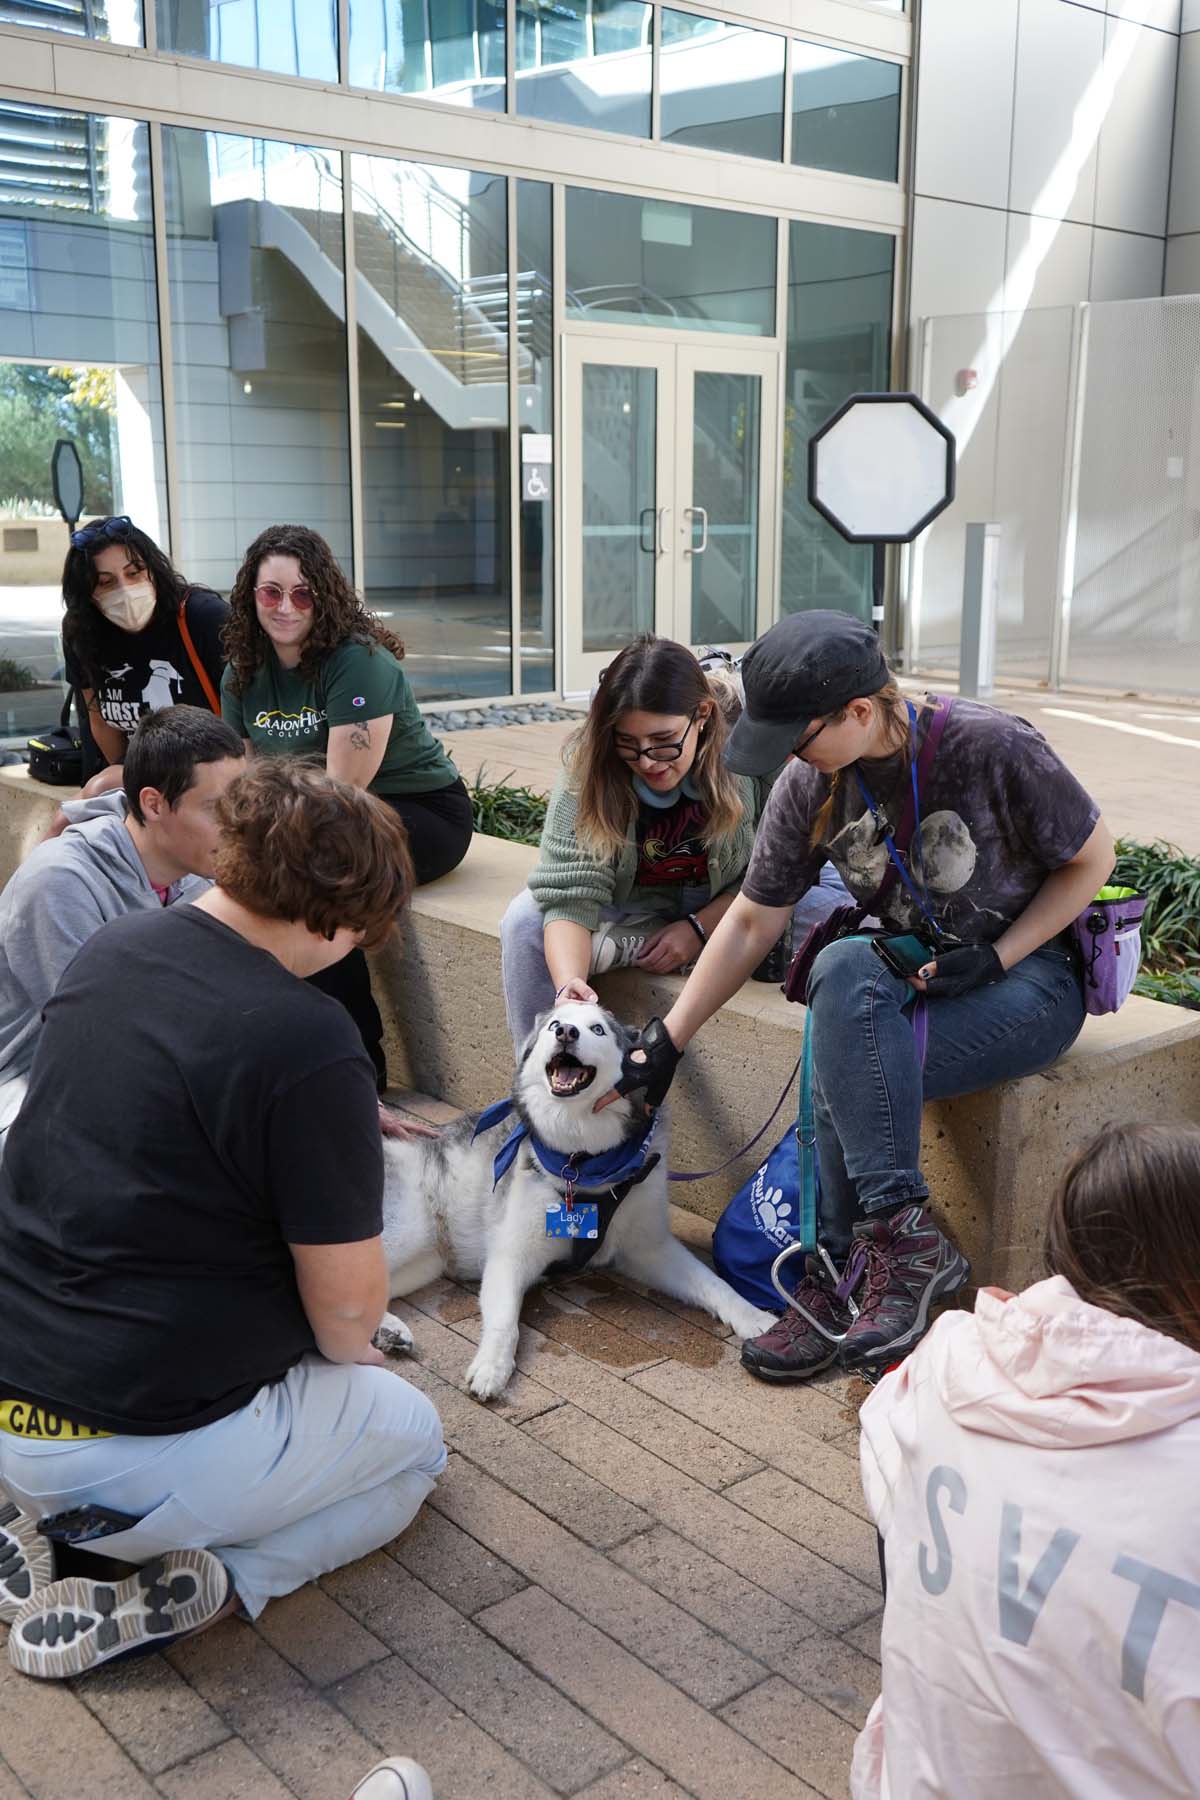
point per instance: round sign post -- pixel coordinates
(880, 469)
(66, 479)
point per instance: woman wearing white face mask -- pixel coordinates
(136, 634)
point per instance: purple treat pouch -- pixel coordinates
(1109, 936)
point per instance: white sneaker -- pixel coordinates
(399, 1778)
(26, 1558)
(618, 944)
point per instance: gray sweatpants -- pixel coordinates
(319, 1468)
(528, 987)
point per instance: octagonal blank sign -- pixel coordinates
(881, 468)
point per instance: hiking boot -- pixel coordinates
(803, 1342)
(26, 1558)
(399, 1778)
(71, 1626)
(908, 1264)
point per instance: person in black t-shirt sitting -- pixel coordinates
(137, 636)
(190, 1208)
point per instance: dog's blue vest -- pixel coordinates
(587, 1172)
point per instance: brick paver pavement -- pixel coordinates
(643, 1576)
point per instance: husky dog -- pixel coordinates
(442, 1217)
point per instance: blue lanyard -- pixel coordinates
(921, 898)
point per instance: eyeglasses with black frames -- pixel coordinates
(659, 753)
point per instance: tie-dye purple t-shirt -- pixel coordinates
(999, 812)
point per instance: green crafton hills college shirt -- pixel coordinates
(284, 714)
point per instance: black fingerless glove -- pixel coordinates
(657, 1071)
(960, 971)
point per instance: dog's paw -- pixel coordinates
(751, 1321)
(393, 1337)
(488, 1375)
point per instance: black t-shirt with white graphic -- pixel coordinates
(671, 848)
(141, 670)
(193, 1109)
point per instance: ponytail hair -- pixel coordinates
(1124, 1227)
(888, 703)
(652, 675)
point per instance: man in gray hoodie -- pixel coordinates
(149, 845)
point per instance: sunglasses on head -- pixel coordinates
(271, 595)
(112, 531)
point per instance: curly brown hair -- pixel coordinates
(299, 845)
(339, 615)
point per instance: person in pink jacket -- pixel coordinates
(1032, 1469)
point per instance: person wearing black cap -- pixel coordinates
(1006, 849)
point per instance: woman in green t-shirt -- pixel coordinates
(312, 672)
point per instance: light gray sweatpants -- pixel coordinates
(318, 1469)
(528, 987)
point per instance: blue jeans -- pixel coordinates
(868, 1087)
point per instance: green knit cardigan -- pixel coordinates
(568, 883)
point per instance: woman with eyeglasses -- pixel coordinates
(646, 840)
(311, 671)
(137, 636)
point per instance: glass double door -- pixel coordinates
(668, 496)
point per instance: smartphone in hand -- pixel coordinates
(903, 954)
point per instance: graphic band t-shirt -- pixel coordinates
(282, 713)
(671, 848)
(146, 1284)
(141, 670)
(999, 812)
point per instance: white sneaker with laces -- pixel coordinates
(618, 944)
(399, 1778)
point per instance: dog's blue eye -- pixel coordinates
(599, 1030)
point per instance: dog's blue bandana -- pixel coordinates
(588, 1172)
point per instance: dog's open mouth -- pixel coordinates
(567, 1075)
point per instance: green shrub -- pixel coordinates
(15, 678)
(515, 813)
(1171, 928)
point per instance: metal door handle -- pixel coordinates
(647, 513)
(697, 512)
(662, 530)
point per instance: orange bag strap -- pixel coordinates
(210, 692)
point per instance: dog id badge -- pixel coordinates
(573, 1219)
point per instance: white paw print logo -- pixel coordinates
(774, 1214)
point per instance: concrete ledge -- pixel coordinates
(992, 1159)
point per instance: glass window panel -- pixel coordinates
(839, 325)
(535, 416)
(653, 262)
(585, 62)
(255, 255)
(722, 86)
(109, 21)
(431, 249)
(289, 37)
(78, 359)
(450, 50)
(618, 494)
(726, 434)
(845, 112)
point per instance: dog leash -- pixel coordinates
(920, 1023)
(703, 1174)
